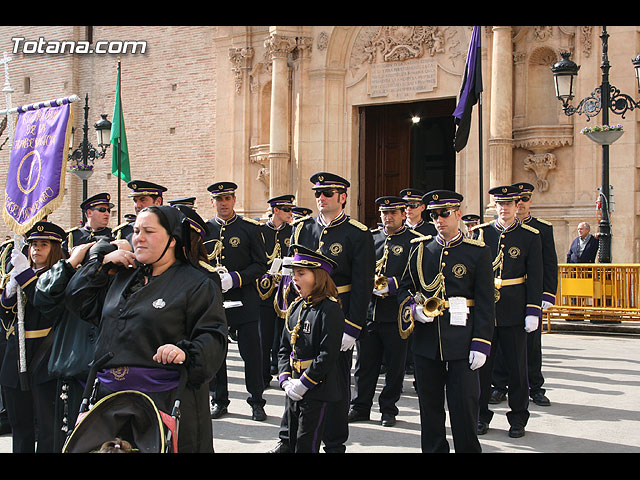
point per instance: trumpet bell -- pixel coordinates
(433, 307)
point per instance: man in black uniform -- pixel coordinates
(517, 252)
(97, 209)
(234, 246)
(417, 218)
(549, 289)
(144, 194)
(446, 294)
(470, 220)
(299, 212)
(186, 201)
(350, 244)
(276, 234)
(382, 337)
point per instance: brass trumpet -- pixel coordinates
(432, 306)
(380, 282)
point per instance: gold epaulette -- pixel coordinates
(473, 241)
(71, 229)
(6, 242)
(301, 219)
(415, 232)
(251, 220)
(530, 228)
(122, 225)
(486, 224)
(376, 229)
(356, 223)
(333, 299)
(207, 266)
(546, 222)
(421, 238)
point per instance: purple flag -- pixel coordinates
(469, 91)
(36, 175)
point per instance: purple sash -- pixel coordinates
(147, 380)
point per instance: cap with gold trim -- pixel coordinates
(282, 201)
(97, 199)
(222, 188)
(505, 193)
(45, 231)
(390, 203)
(412, 195)
(442, 199)
(326, 180)
(140, 188)
(525, 189)
(307, 258)
(188, 201)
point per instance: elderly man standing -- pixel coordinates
(584, 247)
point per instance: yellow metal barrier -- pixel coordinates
(596, 291)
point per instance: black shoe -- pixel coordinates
(281, 447)
(273, 370)
(409, 370)
(482, 428)
(258, 413)
(516, 432)
(497, 397)
(541, 399)
(356, 416)
(388, 420)
(218, 410)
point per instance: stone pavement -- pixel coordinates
(592, 380)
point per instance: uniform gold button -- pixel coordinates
(446, 252)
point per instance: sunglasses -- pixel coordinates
(445, 214)
(413, 205)
(285, 209)
(102, 209)
(525, 199)
(326, 193)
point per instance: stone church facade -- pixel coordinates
(268, 106)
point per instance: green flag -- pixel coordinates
(119, 138)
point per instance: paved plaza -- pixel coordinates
(592, 380)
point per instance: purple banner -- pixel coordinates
(35, 180)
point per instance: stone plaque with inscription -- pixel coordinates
(398, 80)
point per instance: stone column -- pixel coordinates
(278, 47)
(501, 118)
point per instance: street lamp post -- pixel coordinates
(84, 156)
(603, 99)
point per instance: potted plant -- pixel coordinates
(605, 134)
(81, 170)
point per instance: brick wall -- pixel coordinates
(169, 102)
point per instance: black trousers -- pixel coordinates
(251, 352)
(306, 420)
(534, 365)
(31, 416)
(513, 343)
(454, 379)
(380, 341)
(336, 432)
(270, 332)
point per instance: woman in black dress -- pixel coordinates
(155, 311)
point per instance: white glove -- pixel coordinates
(420, 316)
(11, 288)
(19, 261)
(288, 389)
(476, 359)
(382, 292)
(546, 304)
(227, 282)
(297, 387)
(286, 266)
(347, 342)
(530, 323)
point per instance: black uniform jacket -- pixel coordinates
(517, 259)
(276, 244)
(397, 246)
(312, 355)
(424, 227)
(81, 235)
(181, 306)
(549, 257)
(466, 266)
(36, 325)
(237, 245)
(350, 244)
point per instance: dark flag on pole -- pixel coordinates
(469, 91)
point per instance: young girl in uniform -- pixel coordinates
(31, 403)
(309, 349)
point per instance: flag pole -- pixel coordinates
(119, 144)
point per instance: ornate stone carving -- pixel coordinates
(540, 164)
(542, 33)
(259, 154)
(587, 44)
(401, 43)
(241, 60)
(323, 41)
(278, 46)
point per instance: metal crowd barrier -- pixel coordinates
(596, 291)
